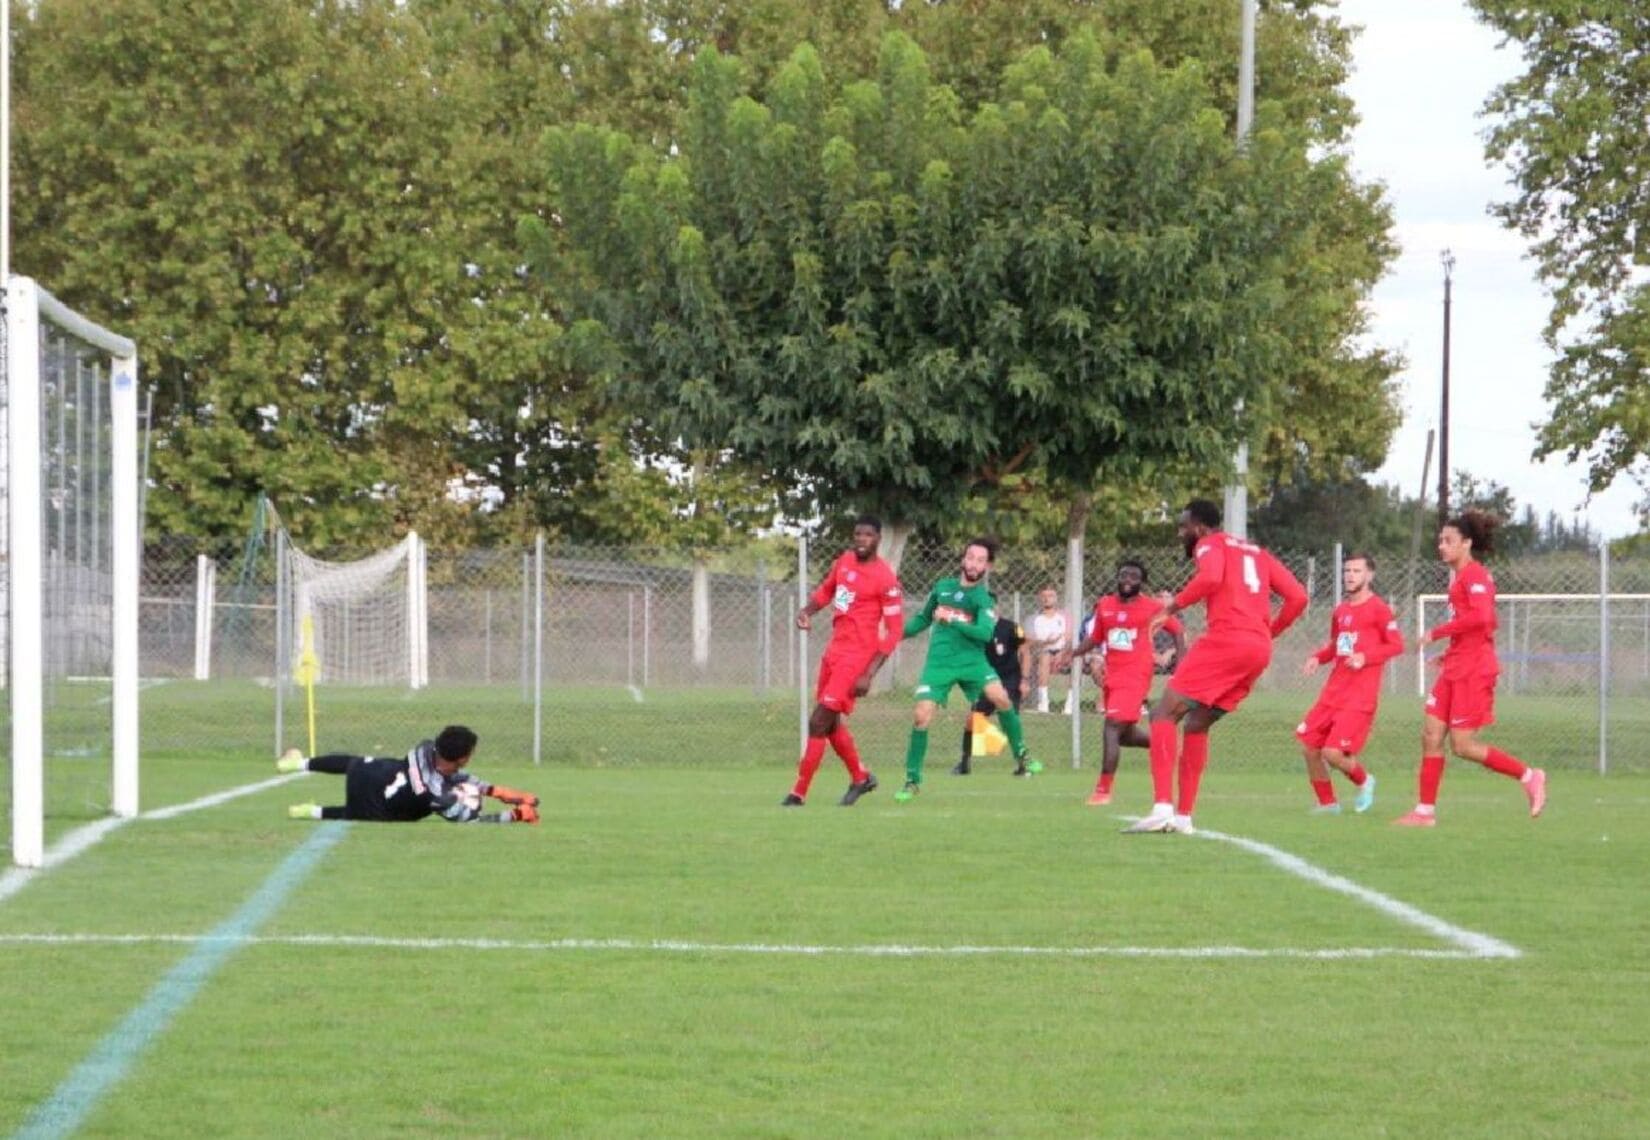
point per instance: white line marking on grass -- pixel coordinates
(107, 1064)
(84, 837)
(217, 798)
(674, 946)
(1470, 942)
(72, 844)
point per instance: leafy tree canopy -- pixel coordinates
(1572, 129)
(899, 300)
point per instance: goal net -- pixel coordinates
(70, 566)
(378, 652)
(1556, 644)
(350, 623)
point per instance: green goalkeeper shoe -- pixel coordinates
(908, 793)
(304, 811)
(291, 761)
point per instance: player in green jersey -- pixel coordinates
(963, 615)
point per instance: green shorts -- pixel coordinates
(937, 678)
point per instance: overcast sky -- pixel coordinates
(1423, 71)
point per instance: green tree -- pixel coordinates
(1571, 129)
(303, 255)
(1336, 403)
(896, 301)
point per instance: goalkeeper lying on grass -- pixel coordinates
(429, 780)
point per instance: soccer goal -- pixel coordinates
(1568, 653)
(373, 653)
(70, 563)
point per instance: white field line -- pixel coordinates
(672, 946)
(1469, 942)
(81, 839)
(217, 798)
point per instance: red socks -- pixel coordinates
(1104, 786)
(1325, 791)
(1432, 774)
(1358, 775)
(1165, 735)
(811, 756)
(843, 741)
(1499, 761)
(1194, 756)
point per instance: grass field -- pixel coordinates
(670, 954)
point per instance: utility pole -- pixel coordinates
(1236, 511)
(1448, 259)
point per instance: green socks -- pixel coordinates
(915, 752)
(1010, 718)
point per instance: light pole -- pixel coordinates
(1236, 510)
(1448, 260)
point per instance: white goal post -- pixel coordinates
(1576, 626)
(46, 342)
(1432, 609)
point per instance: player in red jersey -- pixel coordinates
(1235, 580)
(1463, 700)
(1121, 620)
(1363, 637)
(868, 617)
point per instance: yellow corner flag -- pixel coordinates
(308, 666)
(988, 738)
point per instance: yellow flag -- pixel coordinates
(988, 738)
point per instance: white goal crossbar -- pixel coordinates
(27, 307)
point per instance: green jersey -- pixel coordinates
(963, 618)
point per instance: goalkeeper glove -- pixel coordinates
(525, 813)
(512, 796)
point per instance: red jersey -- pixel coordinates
(1368, 628)
(1239, 578)
(863, 596)
(1120, 628)
(1471, 628)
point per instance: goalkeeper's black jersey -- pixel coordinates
(404, 791)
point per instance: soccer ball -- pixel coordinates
(468, 794)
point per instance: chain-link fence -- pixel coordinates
(631, 656)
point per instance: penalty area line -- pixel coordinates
(106, 1066)
(1469, 942)
(81, 839)
(676, 946)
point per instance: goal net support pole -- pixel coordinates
(27, 305)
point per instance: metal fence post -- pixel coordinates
(1076, 565)
(802, 644)
(1603, 658)
(526, 608)
(1340, 563)
(764, 623)
(630, 640)
(538, 647)
(206, 586)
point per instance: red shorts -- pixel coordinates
(838, 670)
(1341, 729)
(1463, 702)
(1219, 671)
(1121, 702)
